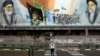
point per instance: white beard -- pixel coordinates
(91, 11)
(8, 13)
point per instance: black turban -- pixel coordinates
(94, 1)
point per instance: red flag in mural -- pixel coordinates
(24, 2)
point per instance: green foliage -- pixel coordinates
(46, 35)
(36, 35)
(97, 46)
(38, 5)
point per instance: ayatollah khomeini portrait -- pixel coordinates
(8, 17)
(92, 14)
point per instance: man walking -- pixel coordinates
(52, 47)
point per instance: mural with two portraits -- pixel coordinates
(39, 13)
(19, 13)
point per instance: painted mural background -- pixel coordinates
(54, 12)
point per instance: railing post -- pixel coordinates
(86, 32)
